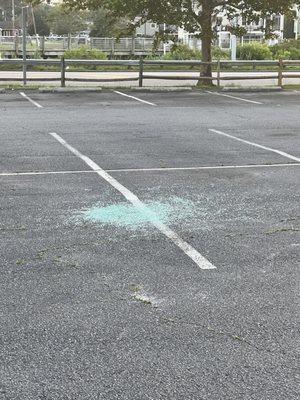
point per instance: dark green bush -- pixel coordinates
(85, 53)
(254, 51)
(287, 44)
(288, 50)
(182, 52)
(220, 54)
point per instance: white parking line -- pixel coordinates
(134, 98)
(282, 153)
(234, 97)
(201, 261)
(216, 167)
(44, 173)
(31, 101)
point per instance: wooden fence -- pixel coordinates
(262, 70)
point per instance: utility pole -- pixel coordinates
(24, 37)
(34, 27)
(233, 45)
(165, 47)
(13, 14)
(233, 42)
(297, 23)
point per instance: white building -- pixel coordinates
(297, 22)
(53, 2)
(149, 29)
(255, 30)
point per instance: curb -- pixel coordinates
(151, 89)
(252, 89)
(69, 90)
(161, 88)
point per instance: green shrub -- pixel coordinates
(182, 52)
(288, 44)
(284, 55)
(10, 67)
(288, 50)
(85, 53)
(295, 53)
(220, 54)
(254, 51)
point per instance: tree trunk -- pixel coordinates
(206, 70)
(207, 37)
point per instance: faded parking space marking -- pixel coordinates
(135, 98)
(30, 100)
(234, 97)
(282, 153)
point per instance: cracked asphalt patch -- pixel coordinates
(107, 307)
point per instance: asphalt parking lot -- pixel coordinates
(149, 245)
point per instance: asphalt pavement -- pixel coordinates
(149, 246)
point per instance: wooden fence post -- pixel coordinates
(42, 46)
(219, 73)
(63, 71)
(141, 71)
(16, 45)
(280, 73)
(69, 41)
(112, 47)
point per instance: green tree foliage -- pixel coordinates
(64, 21)
(58, 19)
(195, 16)
(41, 15)
(106, 25)
(6, 9)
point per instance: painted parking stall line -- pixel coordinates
(282, 153)
(32, 173)
(234, 97)
(134, 98)
(171, 169)
(200, 260)
(35, 103)
(206, 168)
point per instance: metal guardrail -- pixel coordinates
(141, 65)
